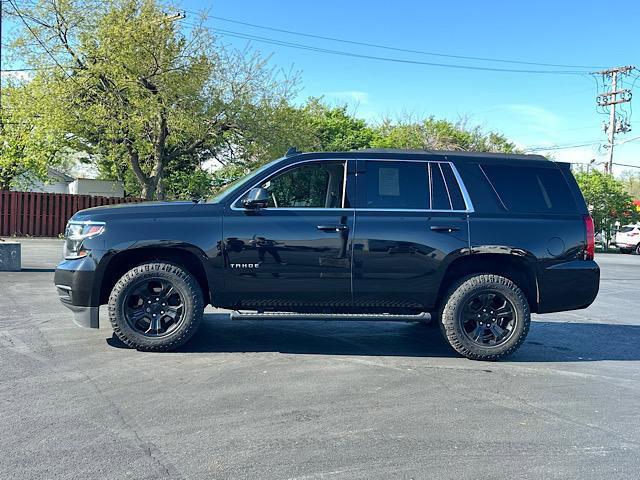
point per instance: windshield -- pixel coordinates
(228, 189)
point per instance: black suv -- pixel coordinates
(476, 240)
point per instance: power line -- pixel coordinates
(273, 41)
(626, 165)
(35, 35)
(562, 147)
(397, 49)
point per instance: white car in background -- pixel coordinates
(628, 239)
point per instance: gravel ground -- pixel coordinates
(317, 400)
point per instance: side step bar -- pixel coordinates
(381, 317)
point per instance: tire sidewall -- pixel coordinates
(182, 281)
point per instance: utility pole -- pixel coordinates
(611, 99)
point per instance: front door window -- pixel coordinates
(313, 185)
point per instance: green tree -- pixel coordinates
(334, 129)
(631, 181)
(133, 88)
(607, 200)
(26, 147)
(432, 134)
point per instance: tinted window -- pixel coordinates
(401, 185)
(312, 185)
(439, 194)
(531, 189)
(412, 185)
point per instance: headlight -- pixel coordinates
(76, 233)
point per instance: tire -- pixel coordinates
(164, 296)
(474, 340)
(637, 249)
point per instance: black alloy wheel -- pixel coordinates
(488, 319)
(154, 307)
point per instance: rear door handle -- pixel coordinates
(444, 228)
(332, 228)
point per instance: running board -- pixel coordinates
(379, 317)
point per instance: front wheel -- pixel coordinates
(485, 317)
(156, 306)
(637, 250)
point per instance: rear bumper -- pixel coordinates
(568, 286)
(74, 283)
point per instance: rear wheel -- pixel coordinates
(485, 317)
(156, 306)
(637, 250)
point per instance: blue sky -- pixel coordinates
(532, 109)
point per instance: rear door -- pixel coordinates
(411, 221)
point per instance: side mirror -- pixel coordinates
(256, 198)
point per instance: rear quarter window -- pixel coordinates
(525, 189)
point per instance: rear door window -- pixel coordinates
(408, 185)
(531, 189)
(397, 185)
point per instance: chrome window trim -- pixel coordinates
(446, 187)
(429, 171)
(461, 185)
(301, 162)
(463, 188)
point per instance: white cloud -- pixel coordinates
(534, 116)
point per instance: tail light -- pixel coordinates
(590, 250)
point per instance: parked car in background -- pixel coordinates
(628, 239)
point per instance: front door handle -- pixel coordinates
(332, 228)
(444, 228)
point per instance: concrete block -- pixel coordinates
(10, 257)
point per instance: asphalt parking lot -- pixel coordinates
(317, 400)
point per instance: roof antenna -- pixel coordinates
(292, 151)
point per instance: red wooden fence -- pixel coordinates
(44, 214)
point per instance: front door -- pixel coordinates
(411, 220)
(295, 254)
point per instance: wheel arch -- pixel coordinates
(117, 264)
(516, 268)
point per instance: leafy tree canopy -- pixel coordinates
(132, 87)
(27, 148)
(432, 134)
(607, 200)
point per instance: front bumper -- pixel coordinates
(568, 286)
(74, 281)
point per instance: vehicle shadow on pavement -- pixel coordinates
(547, 341)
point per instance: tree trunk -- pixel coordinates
(148, 186)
